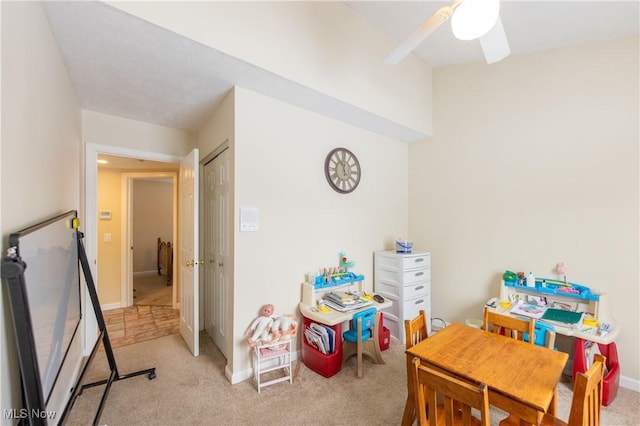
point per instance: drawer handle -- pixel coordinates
(419, 288)
(418, 302)
(420, 259)
(419, 274)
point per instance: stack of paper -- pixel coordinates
(343, 301)
(342, 298)
(528, 310)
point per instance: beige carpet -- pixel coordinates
(152, 289)
(194, 391)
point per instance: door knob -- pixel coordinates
(220, 264)
(189, 263)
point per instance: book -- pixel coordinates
(562, 316)
(322, 332)
(314, 339)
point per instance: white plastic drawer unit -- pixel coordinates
(404, 278)
(386, 288)
(399, 278)
(395, 315)
(392, 261)
(407, 309)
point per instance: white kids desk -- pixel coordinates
(587, 337)
(328, 364)
(587, 301)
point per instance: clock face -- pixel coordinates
(342, 170)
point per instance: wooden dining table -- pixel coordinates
(521, 377)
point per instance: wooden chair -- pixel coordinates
(362, 339)
(458, 398)
(587, 396)
(511, 327)
(586, 402)
(415, 331)
(508, 325)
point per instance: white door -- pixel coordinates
(216, 222)
(188, 247)
(209, 251)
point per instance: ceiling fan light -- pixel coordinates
(474, 18)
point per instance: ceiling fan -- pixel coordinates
(470, 19)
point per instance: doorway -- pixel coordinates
(91, 214)
(149, 204)
(90, 220)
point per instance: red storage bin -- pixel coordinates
(611, 380)
(384, 334)
(324, 364)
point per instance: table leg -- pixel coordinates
(554, 403)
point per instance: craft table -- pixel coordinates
(521, 377)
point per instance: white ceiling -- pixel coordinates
(124, 66)
(530, 26)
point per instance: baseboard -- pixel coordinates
(629, 383)
(109, 306)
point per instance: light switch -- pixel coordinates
(248, 219)
(107, 237)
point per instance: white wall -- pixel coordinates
(105, 129)
(303, 224)
(325, 46)
(534, 161)
(41, 150)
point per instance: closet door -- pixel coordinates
(217, 257)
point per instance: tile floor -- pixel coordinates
(139, 323)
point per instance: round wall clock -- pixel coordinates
(342, 169)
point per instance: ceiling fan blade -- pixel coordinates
(419, 35)
(494, 43)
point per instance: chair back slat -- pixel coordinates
(459, 398)
(587, 395)
(508, 325)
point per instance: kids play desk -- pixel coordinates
(328, 364)
(574, 297)
(599, 333)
